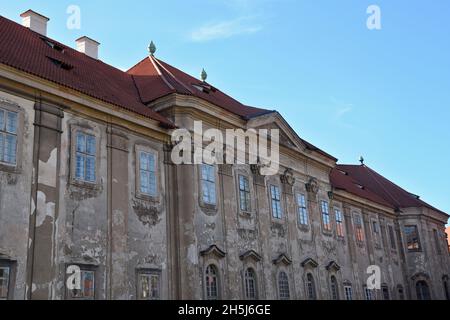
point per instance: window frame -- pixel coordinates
(149, 273)
(73, 156)
(407, 238)
(247, 282)
(247, 193)
(217, 282)
(359, 227)
(202, 182)
(325, 214)
(139, 148)
(10, 265)
(369, 294)
(437, 242)
(348, 292)
(84, 269)
(284, 290)
(340, 226)
(276, 199)
(7, 106)
(334, 288)
(302, 209)
(311, 291)
(392, 237)
(385, 294)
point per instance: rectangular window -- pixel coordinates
(358, 228)
(8, 137)
(86, 150)
(87, 286)
(208, 177)
(244, 194)
(369, 294)
(348, 292)
(4, 282)
(375, 228)
(302, 210)
(147, 173)
(325, 216)
(436, 241)
(276, 202)
(149, 286)
(412, 238)
(339, 223)
(392, 238)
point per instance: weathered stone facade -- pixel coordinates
(49, 220)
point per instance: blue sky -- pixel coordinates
(383, 94)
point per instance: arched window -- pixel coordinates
(283, 286)
(446, 292)
(310, 287)
(422, 290)
(250, 284)
(401, 293)
(211, 283)
(334, 288)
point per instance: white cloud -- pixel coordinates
(225, 29)
(341, 110)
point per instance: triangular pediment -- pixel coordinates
(288, 137)
(213, 250)
(282, 259)
(309, 262)
(251, 254)
(333, 266)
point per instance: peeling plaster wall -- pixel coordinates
(15, 199)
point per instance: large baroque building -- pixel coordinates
(86, 179)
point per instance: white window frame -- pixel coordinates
(208, 183)
(10, 107)
(245, 199)
(75, 129)
(250, 293)
(284, 292)
(140, 149)
(275, 202)
(302, 209)
(348, 291)
(5, 132)
(369, 294)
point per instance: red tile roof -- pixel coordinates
(147, 81)
(364, 182)
(155, 79)
(28, 51)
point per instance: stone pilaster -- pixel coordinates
(118, 202)
(45, 198)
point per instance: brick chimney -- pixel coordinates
(88, 46)
(35, 21)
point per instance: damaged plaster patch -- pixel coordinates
(44, 209)
(47, 170)
(192, 255)
(147, 214)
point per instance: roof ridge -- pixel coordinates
(171, 74)
(171, 87)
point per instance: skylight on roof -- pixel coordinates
(53, 45)
(61, 64)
